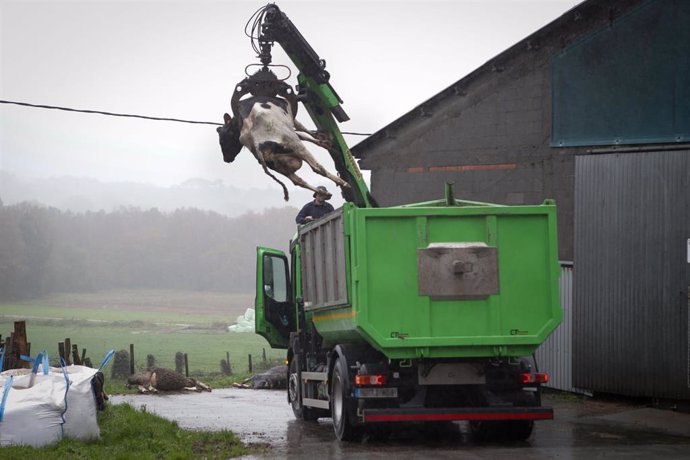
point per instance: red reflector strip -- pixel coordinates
(460, 416)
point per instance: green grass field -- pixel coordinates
(159, 323)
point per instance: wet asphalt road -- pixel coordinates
(582, 430)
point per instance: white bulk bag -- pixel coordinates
(32, 415)
(80, 418)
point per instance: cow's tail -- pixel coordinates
(286, 196)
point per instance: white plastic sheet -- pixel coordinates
(245, 323)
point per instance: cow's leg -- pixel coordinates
(306, 155)
(298, 181)
(321, 140)
(266, 158)
(287, 165)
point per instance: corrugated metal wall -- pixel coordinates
(555, 355)
(632, 223)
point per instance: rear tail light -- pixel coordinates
(541, 377)
(526, 377)
(370, 380)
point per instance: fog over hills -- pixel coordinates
(80, 194)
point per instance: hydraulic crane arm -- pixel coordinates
(317, 95)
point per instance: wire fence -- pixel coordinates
(216, 363)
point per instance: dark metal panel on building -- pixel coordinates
(627, 83)
(632, 224)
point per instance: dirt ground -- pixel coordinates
(581, 429)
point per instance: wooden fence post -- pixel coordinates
(186, 366)
(75, 354)
(249, 356)
(20, 343)
(131, 358)
(68, 351)
(10, 353)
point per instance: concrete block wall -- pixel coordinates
(493, 145)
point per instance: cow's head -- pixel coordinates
(229, 138)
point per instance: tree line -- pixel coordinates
(44, 249)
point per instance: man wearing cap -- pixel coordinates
(317, 208)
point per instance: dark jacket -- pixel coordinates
(314, 210)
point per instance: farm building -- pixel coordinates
(592, 110)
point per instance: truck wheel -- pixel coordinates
(340, 405)
(295, 395)
(520, 430)
(482, 431)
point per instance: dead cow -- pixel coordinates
(273, 379)
(268, 128)
(162, 379)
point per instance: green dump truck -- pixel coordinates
(428, 312)
(423, 312)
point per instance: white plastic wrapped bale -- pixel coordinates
(245, 323)
(80, 418)
(32, 414)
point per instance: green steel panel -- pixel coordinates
(628, 83)
(394, 318)
(336, 325)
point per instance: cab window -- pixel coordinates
(275, 278)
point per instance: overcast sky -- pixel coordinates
(182, 59)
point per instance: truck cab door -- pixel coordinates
(275, 311)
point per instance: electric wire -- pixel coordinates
(129, 115)
(112, 114)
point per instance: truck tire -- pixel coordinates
(341, 410)
(295, 395)
(520, 430)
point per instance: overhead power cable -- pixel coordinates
(128, 115)
(112, 114)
